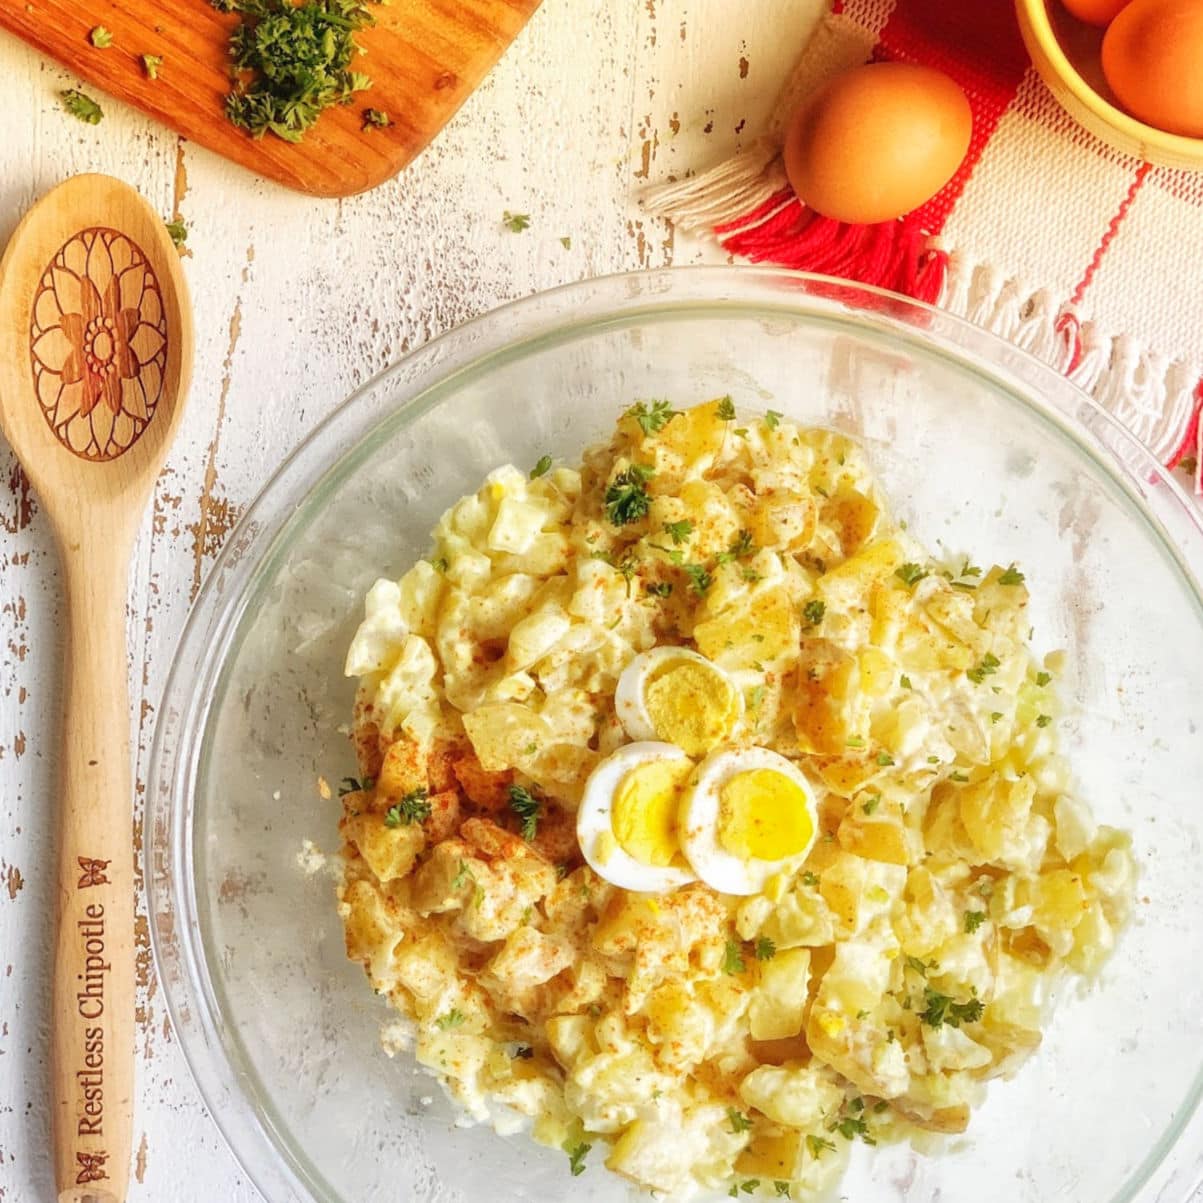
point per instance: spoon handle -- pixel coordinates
(93, 1019)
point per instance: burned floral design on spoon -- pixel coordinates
(98, 344)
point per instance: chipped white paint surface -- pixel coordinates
(297, 302)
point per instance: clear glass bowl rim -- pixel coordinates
(390, 400)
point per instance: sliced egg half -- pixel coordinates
(675, 695)
(627, 821)
(747, 814)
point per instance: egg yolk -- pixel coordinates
(763, 815)
(690, 705)
(644, 816)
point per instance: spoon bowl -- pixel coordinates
(95, 359)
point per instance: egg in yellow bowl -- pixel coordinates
(708, 824)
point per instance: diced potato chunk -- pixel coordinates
(880, 836)
(779, 1001)
(797, 1096)
(763, 630)
(995, 812)
(854, 518)
(502, 732)
(824, 717)
(390, 852)
(402, 772)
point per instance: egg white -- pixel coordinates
(595, 823)
(699, 821)
(630, 702)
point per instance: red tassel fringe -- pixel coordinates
(1191, 438)
(893, 254)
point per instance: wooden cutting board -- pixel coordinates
(423, 56)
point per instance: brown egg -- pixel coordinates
(1095, 12)
(1153, 60)
(877, 141)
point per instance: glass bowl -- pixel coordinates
(980, 448)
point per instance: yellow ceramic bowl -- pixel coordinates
(1066, 53)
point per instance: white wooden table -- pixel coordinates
(297, 302)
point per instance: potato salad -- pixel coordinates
(705, 823)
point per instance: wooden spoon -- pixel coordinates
(95, 360)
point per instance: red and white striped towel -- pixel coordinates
(1047, 236)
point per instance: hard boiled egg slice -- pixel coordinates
(675, 695)
(747, 814)
(627, 821)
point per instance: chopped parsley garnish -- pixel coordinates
(542, 467)
(1043, 720)
(854, 741)
(884, 759)
(750, 1186)
(995, 715)
(376, 119)
(772, 420)
(739, 1122)
(463, 875)
(813, 611)
(677, 557)
(959, 777)
(576, 1157)
(968, 569)
(413, 808)
(515, 222)
(659, 588)
(910, 574)
(178, 231)
(1012, 576)
(818, 1145)
(151, 64)
(939, 1009)
(782, 1190)
(292, 62)
(452, 1019)
(905, 682)
(725, 410)
(974, 920)
(352, 785)
(742, 546)
(1042, 679)
(654, 418)
(810, 879)
(987, 666)
(733, 960)
(440, 565)
(566, 242)
(527, 807)
(627, 498)
(920, 967)
(852, 1126)
(871, 804)
(750, 574)
(678, 532)
(699, 578)
(766, 950)
(101, 38)
(81, 106)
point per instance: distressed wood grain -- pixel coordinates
(297, 302)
